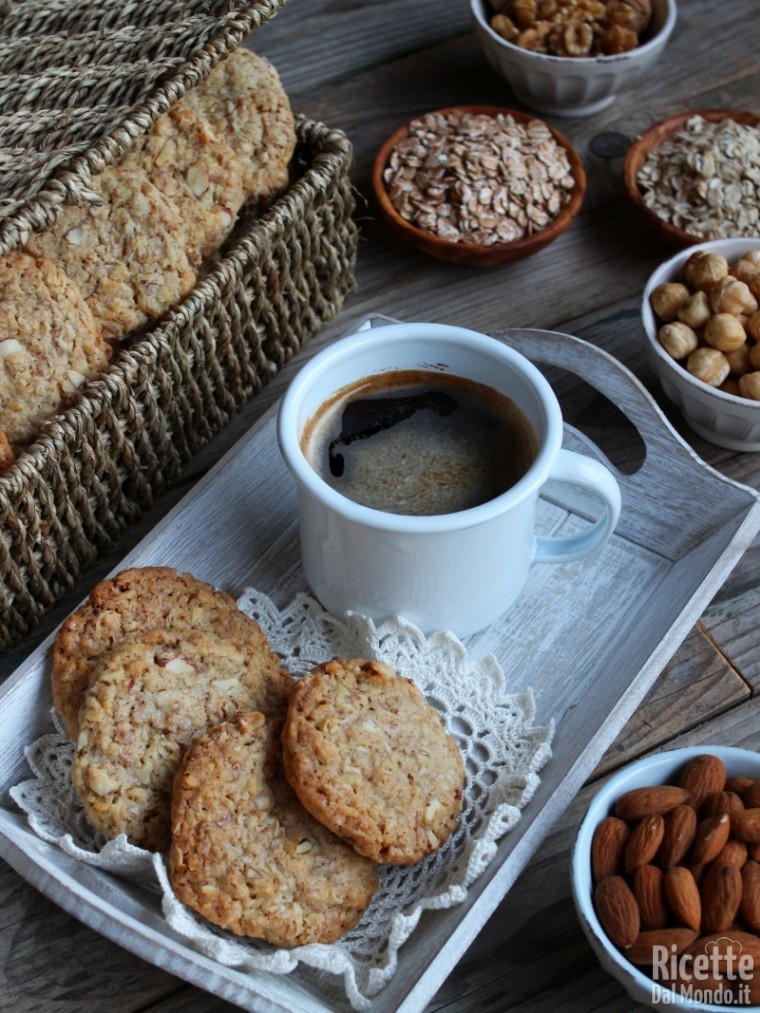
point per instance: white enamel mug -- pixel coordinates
(456, 571)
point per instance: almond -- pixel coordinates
(697, 871)
(644, 841)
(721, 892)
(721, 802)
(682, 894)
(749, 908)
(723, 951)
(674, 941)
(702, 776)
(710, 838)
(727, 946)
(733, 853)
(751, 795)
(607, 848)
(680, 826)
(753, 851)
(746, 825)
(647, 883)
(637, 803)
(738, 784)
(617, 911)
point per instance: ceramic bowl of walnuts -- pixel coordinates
(572, 57)
(701, 317)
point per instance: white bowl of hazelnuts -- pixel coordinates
(701, 316)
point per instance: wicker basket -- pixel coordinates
(96, 466)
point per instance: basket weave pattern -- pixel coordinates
(281, 277)
(79, 81)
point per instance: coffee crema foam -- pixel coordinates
(420, 443)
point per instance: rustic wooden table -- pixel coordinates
(368, 68)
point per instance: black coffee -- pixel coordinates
(417, 442)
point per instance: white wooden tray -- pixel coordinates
(589, 638)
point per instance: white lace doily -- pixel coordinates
(502, 750)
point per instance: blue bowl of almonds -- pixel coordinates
(478, 185)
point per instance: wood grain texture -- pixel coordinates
(368, 68)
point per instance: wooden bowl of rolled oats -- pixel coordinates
(696, 176)
(478, 185)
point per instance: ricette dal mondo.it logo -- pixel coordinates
(720, 974)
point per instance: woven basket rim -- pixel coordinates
(69, 182)
(330, 154)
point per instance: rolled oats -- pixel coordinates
(705, 179)
(474, 178)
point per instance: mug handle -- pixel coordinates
(595, 478)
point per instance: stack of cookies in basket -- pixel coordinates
(276, 798)
(104, 270)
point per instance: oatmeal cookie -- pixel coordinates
(195, 168)
(149, 698)
(245, 102)
(247, 856)
(7, 455)
(49, 345)
(369, 757)
(148, 598)
(127, 254)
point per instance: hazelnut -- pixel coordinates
(749, 386)
(695, 311)
(730, 386)
(678, 339)
(754, 356)
(745, 269)
(729, 295)
(708, 365)
(668, 298)
(753, 326)
(703, 269)
(740, 360)
(724, 331)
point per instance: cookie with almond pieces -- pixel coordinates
(126, 253)
(192, 165)
(247, 856)
(244, 101)
(49, 346)
(370, 758)
(149, 698)
(144, 598)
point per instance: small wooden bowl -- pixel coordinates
(649, 141)
(469, 253)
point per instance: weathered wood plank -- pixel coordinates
(50, 961)
(696, 686)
